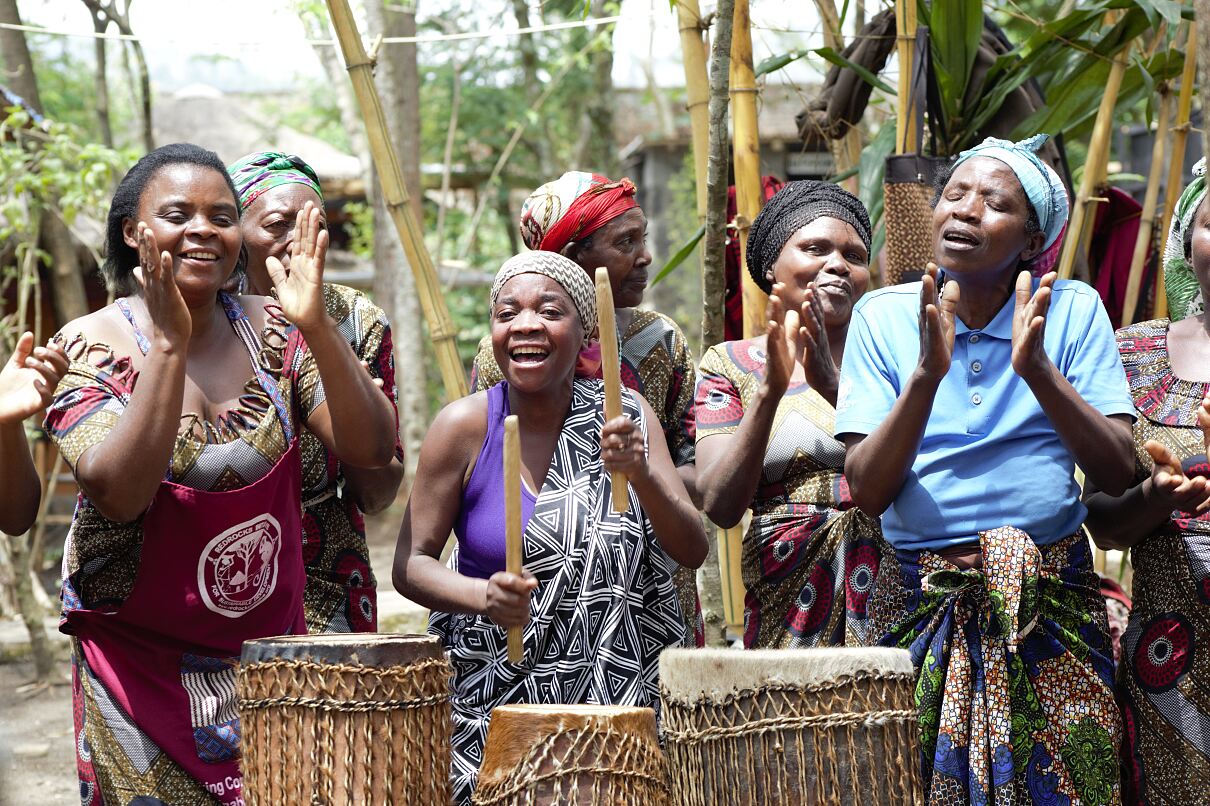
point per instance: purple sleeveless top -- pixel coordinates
(480, 524)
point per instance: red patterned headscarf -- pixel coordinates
(572, 207)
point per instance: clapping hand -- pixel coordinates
(817, 363)
(937, 322)
(1169, 483)
(29, 378)
(300, 287)
(169, 314)
(1029, 325)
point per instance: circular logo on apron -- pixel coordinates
(238, 568)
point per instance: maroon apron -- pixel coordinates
(216, 569)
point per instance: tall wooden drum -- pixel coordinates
(572, 754)
(782, 726)
(335, 719)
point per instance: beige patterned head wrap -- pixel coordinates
(564, 271)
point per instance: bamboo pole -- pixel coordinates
(1142, 244)
(1176, 164)
(1079, 230)
(905, 47)
(611, 374)
(749, 194)
(395, 195)
(693, 57)
(512, 521)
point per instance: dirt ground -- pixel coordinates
(37, 753)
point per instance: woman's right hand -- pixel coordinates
(1169, 486)
(783, 342)
(507, 599)
(937, 318)
(169, 314)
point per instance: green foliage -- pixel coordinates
(66, 85)
(360, 228)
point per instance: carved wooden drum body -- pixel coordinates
(572, 754)
(354, 718)
(809, 726)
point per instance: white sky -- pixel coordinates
(259, 44)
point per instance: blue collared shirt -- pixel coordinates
(989, 456)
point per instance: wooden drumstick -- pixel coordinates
(612, 374)
(512, 520)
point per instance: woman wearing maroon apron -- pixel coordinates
(179, 416)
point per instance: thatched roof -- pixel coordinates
(232, 126)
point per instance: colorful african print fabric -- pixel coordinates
(656, 363)
(1015, 693)
(341, 589)
(116, 759)
(810, 558)
(1164, 677)
(604, 609)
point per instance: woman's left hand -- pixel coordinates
(817, 363)
(1029, 326)
(623, 449)
(300, 287)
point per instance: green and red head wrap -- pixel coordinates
(572, 207)
(264, 170)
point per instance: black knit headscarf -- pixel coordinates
(796, 205)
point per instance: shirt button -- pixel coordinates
(976, 398)
(975, 339)
(976, 366)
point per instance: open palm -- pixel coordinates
(29, 378)
(300, 287)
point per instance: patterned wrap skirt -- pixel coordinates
(1015, 688)
(808, 572)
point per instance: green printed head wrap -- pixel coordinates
(1180, 283)
(263, 170)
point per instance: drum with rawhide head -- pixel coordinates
(572, 754)
(345, 718)
(801, 726)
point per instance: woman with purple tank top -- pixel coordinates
(596, 598)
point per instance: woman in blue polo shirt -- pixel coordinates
(964, 415)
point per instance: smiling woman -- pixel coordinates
(178, 416)
(764, 409)
(597, 599)
(597, 222)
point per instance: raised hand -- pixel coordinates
(300, 287)
(937, 316)
(29, 378)
(783, 342)
(1029, 325)
(817, 363)
(1171, 486)
(169, 314)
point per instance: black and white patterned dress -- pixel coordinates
(604, 609)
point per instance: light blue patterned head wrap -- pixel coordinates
(1042, 185)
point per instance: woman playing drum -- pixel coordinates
(597, 597)
(179, 418)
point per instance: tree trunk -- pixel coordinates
(595, 150)
(18, 66)
(394, 289)
(101, 79)
(714, 274)
(527, 50)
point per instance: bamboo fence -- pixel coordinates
(1176, 164)
(749, 192)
